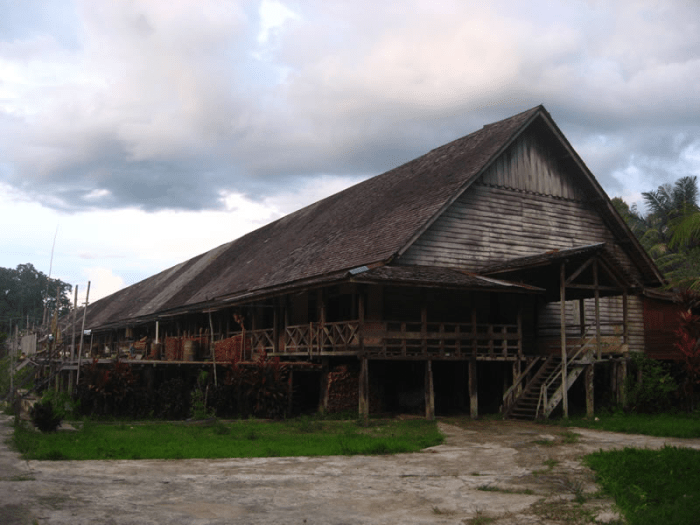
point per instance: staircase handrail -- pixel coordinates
(516, 383)
(588, 342)
(544, 388)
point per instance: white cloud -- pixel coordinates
(273, 15)
(103, 282)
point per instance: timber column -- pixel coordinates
(473, 390)
(364, 390)
(429, 391)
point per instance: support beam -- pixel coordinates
(582, 316)
(364, 390)
(562, 328)
(590, 393)
(429, 391)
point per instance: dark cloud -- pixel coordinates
(172, 110)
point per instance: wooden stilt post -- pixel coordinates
(562, 327)
(613, 380)
(429, 391)
(462, 382)
(290, 393)
(597, 310)
(473, 389)
(275, 328)
(622, 375)
(625, 318)
(325, 385)
(519, 363)
(590, 393)
(212, 346)
(364, 390)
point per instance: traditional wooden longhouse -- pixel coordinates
(488, 274)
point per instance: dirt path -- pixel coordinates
(486, 469)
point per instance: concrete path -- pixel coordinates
(507, 471)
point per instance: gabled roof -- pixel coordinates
(367, 224)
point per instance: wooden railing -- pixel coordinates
(393, 339)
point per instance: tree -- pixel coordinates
(670, 231)
(25, 292)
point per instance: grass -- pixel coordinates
(679, 425)
(240, 439)
(651, 486)
(493, 488)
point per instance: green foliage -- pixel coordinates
(679, 425)
(108, 390)
(670, 231)
(44, 417)
(25, 291)
(651, 486)
(173, 399)
(653, 394)
(63, 406)
(22, 378)
(245, 438)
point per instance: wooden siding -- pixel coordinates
(610, 315)
(525, 203)
(661, 320)
(490, 225)
(528, 165)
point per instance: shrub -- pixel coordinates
(173, 399)
(653, 394)
(45, 417)
(266, 387)
(106, 391)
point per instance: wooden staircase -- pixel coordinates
(543, 393)
(525, 405)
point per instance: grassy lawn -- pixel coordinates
(651, 486)
(240, 439)
(679, 425)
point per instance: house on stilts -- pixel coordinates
(492, 273)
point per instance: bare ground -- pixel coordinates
(498, 472)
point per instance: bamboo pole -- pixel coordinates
(75, 308)
(82, 336)
(213, 348)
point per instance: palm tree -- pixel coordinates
(670, 231)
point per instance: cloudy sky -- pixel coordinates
(141, 133)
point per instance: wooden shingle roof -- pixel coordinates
(367, 224)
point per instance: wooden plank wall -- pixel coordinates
(523, 205)
(610, 314)
(490, 225)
